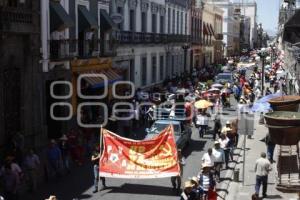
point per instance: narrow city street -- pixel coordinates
(79, 184)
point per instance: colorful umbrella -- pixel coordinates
(217, 85)
(202, 104)
(261, 107)
(213, 90)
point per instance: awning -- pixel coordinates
(59, 18)
(212, 30)
(106, 22)
(292, 29)
(98, 82)
(205, 31)
(85, 19)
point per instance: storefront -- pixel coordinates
(93, 76)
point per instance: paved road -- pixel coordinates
(79, 184)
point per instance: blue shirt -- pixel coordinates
(54, 153)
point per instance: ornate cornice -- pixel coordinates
(154, 7)
(144, 5)
(162, 10)
(132, 4)
(120, 3)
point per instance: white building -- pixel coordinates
(151, 40)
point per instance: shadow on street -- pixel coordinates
(142, 189)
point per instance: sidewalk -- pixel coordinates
(254, 147)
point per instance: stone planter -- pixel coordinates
(283, 118)
(285, 103)
(284, 135)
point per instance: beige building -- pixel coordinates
(211, 26)
(218, 30)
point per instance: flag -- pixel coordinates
(125, 158)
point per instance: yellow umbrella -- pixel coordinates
(202, 104)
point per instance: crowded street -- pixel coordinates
(149, 99)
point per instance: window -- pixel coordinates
(144, 71)
(154, 23)
(173, 66)
(144, 22)
(154, 69)
(185, 24)
(178, 23)
(131, 20)
(181, 24)
(200, 29)
(162, 24)
(169, 20)
(132, 70)
(120, 11)
(173, 22)
(161, 67)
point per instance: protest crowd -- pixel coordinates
(21, 167)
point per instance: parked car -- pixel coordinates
(182, 132)
(223, 78)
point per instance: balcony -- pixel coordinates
(219, 36)
(285, 14)
(16, 20)
(68, 49)
(128, 37)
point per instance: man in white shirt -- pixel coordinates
(219, 156)
(262, 169)
(208, 158)
(224, 140)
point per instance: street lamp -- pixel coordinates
(185, 47)
(263, 54)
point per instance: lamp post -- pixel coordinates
(185, 47)
(262, 55)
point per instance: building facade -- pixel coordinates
(245, 30)
(208, 33)
(153, 40)
(77, 42)
(20, 95)
(196, 56)
(229, 35)
(218, 31)
(249, 9)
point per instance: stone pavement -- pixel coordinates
(254, 146)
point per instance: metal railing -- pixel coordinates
(129, 37)
(15, 19)
(219, 36)
(70, 48)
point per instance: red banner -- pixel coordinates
(125, 158)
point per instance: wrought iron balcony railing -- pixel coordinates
(219, 36)
(129, 37)
(71, 48)
(15, 19)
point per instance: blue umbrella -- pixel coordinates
(265, 99)
(261, 107)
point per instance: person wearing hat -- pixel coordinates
(223, 140)
(206, 181)
(227, 130)
(176, 180)
(219, 155)
(188, 193)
